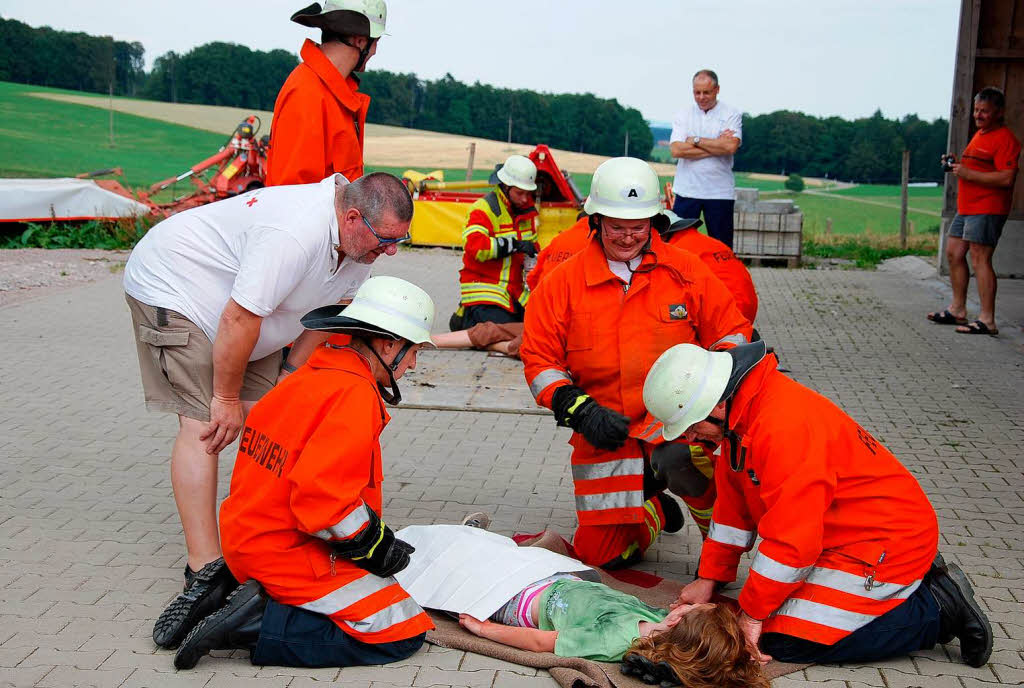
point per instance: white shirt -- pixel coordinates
(272, 250)
(710, 178)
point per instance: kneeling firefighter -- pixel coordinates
(302, 522)
(594, 327)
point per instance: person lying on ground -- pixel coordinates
(702, 644)
(504, 338)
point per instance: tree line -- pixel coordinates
(863, 150)
(866, 150)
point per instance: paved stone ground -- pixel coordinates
(90, 545)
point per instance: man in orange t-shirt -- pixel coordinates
(985, 177)
(320, 115)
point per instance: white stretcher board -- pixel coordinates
(27, 200)
(467, 570)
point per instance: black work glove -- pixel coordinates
(673, 463)
(375, 549)
(599, 425)
(527, 247)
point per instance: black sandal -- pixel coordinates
(977, 327)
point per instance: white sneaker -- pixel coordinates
(477, 519)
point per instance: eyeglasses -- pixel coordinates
(623, 232)
(382, 241)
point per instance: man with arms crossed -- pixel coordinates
(215, 293)
(985, 175)
(705, 135)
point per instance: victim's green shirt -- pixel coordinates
(593, 621)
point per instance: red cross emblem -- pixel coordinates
(251, 201)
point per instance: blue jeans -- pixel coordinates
(914, 625)
(290, 636)
(717, 215)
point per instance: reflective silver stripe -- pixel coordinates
(545, 377)
(736, 339)
(853, 584)
(386, 618)
(818, 613)
(727, 535)
(608, 469)
(779, 572)
(347, 595)
(610, 500)
(348, 526)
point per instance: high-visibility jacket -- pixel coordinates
(583, 328)
(723, 262)
(564, 246)
(486, 279)
(319, 123)
(847, 531)
(307, 472)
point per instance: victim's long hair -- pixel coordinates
(706, 649)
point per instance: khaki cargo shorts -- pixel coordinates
(176, 362)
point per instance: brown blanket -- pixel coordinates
(570, 672)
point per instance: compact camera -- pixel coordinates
(947, 161)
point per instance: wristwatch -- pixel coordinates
(696, 141)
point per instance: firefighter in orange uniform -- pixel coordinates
(320, 115)
(718, 257)
(593, 328)
(499, 235)
(302, 523)
(847, 568)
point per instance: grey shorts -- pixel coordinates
(176, 362)
(978, 229)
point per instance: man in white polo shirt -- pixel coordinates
(705, 135)
(215, 293)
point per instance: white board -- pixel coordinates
(468, 570)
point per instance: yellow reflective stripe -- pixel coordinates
(579, 400)
(380, 536)
(700, 513)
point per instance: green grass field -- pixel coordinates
(44, 138)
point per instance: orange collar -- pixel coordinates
(595, 263)
(342, 358)
(345, 89)
(744, 406)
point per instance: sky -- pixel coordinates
(822, 57)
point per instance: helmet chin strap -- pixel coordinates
(392, 396)
(736, 459)
(364, 53)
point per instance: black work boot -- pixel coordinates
(959, 613)
(190, 576)
(673, 514)
(235, 626)
(205, 593)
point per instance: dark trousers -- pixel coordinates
(914, 625)
(474, 315)
(717, 215)
(290, 636)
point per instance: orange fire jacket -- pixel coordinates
(583, 328)
(723, 262)
(319, 123)
(564, 246)
(308, 469)
(847, 531)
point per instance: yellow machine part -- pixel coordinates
(440, 223)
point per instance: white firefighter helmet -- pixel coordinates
(520, 172)
(346, 17)
(382, 306)
(684, 385)
(626, 189)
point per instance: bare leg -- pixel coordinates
(194, 480)
(959, 275)
(985, 276)
(458, 339)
